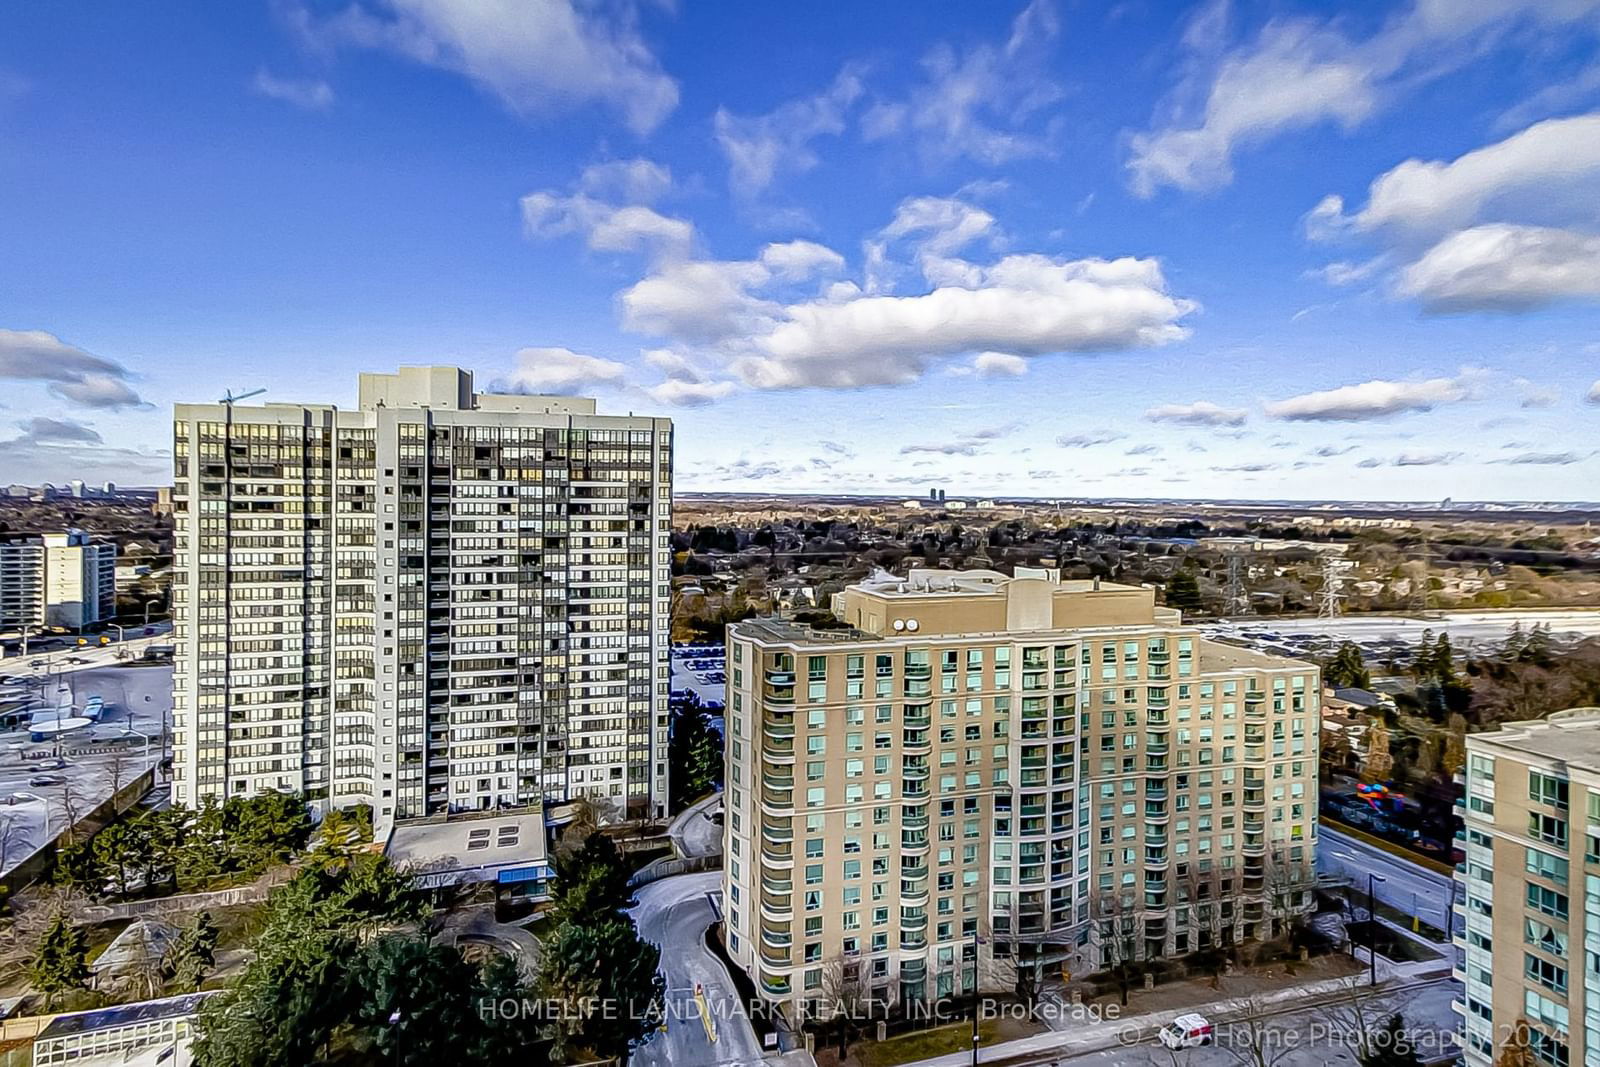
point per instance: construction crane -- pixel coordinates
(230, 398)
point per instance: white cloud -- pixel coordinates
(795, 260)
(737, 315)
(759, 148)
(633, 181)
(561, 370)
(1370, 400)
(312, 94)
(681, 392)
(1199, 413)
(1089, 438)
(1501, 267)
(1246, 468)
(1547, 459)
(974, 104)
(1297, 75)
(71, 373)
(1550, 167)
(1535, 395)
(605, 227)
(42, 430)
(699, 301)
(999, 365)
(1425, 459)
(1024, 305)
(1303, 72)
(609, 208)
(537, 56)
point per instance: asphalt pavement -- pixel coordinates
(1408, 887)
(1311, 1037)
(674, 914)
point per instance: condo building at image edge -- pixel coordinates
(442, 603)
(1529, 956)
(1058, 770)
(63, 580)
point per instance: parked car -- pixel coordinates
(53, 765)
(1187, 1031)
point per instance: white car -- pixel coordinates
(1187, 1031)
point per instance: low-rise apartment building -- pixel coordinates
(961, 770)
(1529, 955)
(63, 580)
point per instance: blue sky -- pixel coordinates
(1143, 249)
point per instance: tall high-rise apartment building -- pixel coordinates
(64, 580)
(441, 602)
(1059, 771)
(1529, 956)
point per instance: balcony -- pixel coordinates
(1254, 696)
(777, 832)
(774, 985)
(774, 957)
(774, 694)
(778, 855)
(777, 908)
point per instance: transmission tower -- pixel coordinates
(1237, 556)
(1330, 598)
(1422, 595)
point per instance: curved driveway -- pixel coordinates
(673, 914)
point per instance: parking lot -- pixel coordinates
(44, 784)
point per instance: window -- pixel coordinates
(1547, 900)
(1547, 789)
(1545, 865)
(1547, 828)
(1547, 974)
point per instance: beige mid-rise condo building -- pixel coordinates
(1029, 769)
(1529, 949)
(441, 603)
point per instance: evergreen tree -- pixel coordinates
(60, 963)
(591, 881)
(604, 960)
(1348, 669)
(1183, 590)
(192, 955)
(695, 753)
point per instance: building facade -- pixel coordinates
(1529, 956)
(59, 580)
(439, 603)
(964, 772)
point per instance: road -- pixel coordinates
(696, 832)
(1314, 1037)
(1410, 888)
(674, 914)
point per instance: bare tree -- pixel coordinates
(1117, 937)
(847, 1002)
(1361, 1011)
(1254, 1042)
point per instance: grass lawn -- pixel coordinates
(920, 1044)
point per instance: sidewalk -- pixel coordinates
(1133, 1029)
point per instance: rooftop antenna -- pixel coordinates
(230, 398)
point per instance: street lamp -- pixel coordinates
(1372, 923)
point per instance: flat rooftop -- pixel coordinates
(472, 847)
(1218, 656)
(1571, 737)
